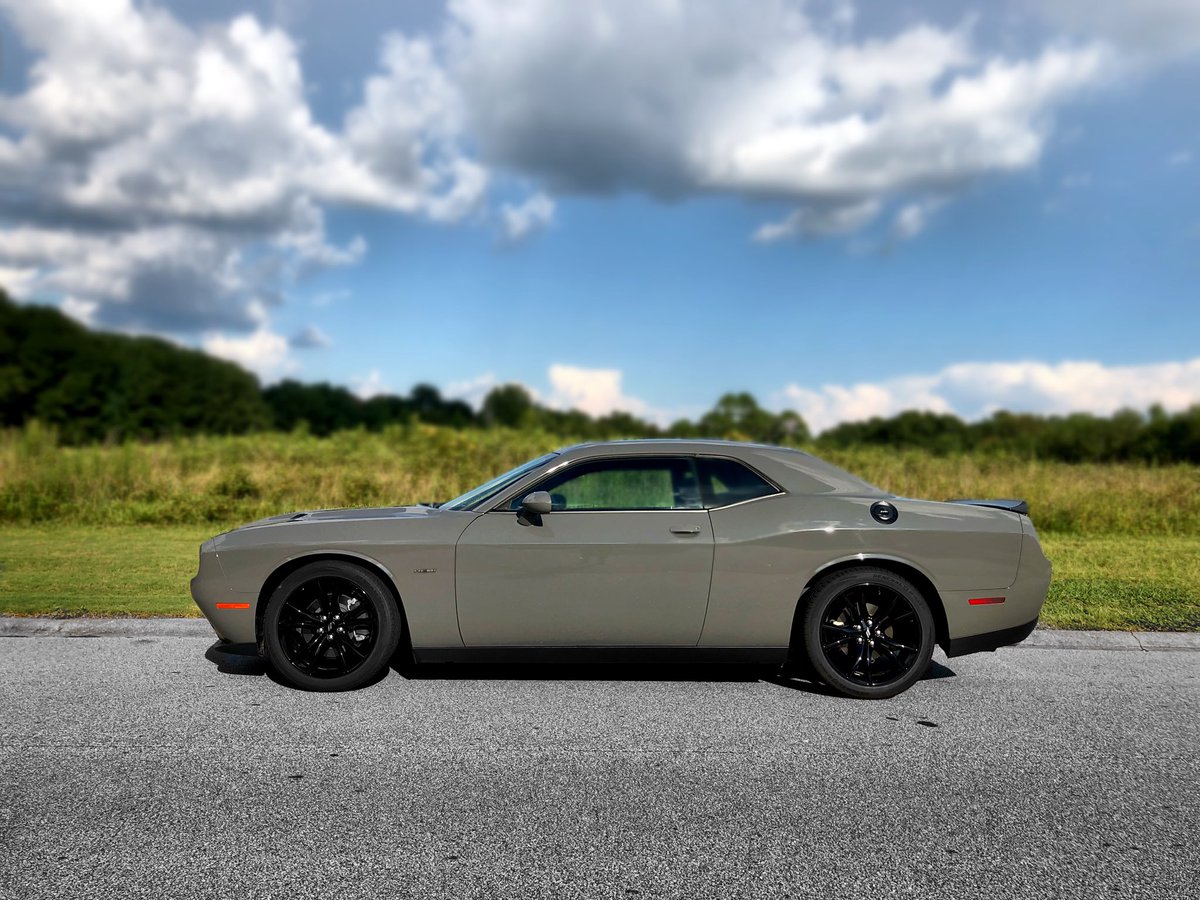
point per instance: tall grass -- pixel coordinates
(224, 481)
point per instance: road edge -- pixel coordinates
(1041, 639)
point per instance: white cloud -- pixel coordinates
(1180, 158)
(593, 391)
(18, 280)
(80, 310)
(175, 178)
(975, 390)
(820, 220)
(672, 99)
(262, 352)
(519, 221)
(370, 386)
(913, 218)
(474, 390)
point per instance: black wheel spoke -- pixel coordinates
(888, 642)
(293, 610)
(841, 629)
(350, 644)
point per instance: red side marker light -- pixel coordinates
(247, 605)
(985, 601)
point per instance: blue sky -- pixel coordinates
(846, 209)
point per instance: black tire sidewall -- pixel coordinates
(830, 587)
(386, 611)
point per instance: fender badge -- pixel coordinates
(424, 571)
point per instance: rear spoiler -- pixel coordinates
(1017, 506)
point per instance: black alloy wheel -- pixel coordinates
(868, 632)
(331, 626)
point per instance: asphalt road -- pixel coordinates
(137, 767)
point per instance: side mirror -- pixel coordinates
(537, 503)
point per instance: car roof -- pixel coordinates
(794, 470)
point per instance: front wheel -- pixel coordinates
(331, 626)
(868, 632)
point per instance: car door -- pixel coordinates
(624, 558)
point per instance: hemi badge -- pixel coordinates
(424, 571)
(984, 601)
(233, 606)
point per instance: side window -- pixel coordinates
(724, 481)
(611, 484)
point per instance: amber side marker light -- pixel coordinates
(974, 601)
(247, 605)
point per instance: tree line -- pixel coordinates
(94, 386)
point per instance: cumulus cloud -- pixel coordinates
(263, 352)
(977, 389)
(173, 179)
(593, 391)
(372, 385)
(820, 220)
(521, 220)
(913, 218)
(474, 390)
(673, 99)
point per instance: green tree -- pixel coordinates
(509, 405)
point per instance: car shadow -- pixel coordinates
(243, 659)
(589, 671)
(236, 659)
(798, 681)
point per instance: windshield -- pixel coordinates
(484, 492)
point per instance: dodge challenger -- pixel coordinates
(658, 549)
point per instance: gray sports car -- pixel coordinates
(662, 549)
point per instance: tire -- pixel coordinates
(854, 650)
(331, 626)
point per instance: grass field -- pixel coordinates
(115, 530)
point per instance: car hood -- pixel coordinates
(348, 515)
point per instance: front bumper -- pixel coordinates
(231, 614)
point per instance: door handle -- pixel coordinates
(680, 529)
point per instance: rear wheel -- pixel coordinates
(868, 632)
(331, 626)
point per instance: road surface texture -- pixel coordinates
(145, 764)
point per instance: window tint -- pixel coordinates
(623, 484)
(725, 481)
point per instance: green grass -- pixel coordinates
(114, 530)
(1123, 583)
(79, 570)
(1138, 583)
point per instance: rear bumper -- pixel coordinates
(990, 640)
(976, 625)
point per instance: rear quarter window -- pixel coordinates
(726, 481)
